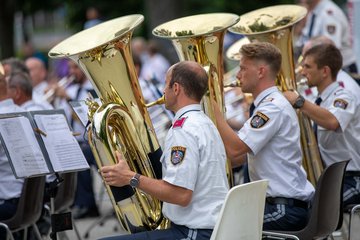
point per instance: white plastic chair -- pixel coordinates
(242, 214)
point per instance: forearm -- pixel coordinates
(235, 148)
(165, 191)
(320, 116)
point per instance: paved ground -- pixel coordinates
(95, 228)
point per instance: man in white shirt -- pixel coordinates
(194, 182)
(10, 187)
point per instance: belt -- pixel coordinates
(12, 200)
(288, 201)
(352, 173)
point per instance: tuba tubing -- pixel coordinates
(122, 122)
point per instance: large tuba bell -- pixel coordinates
(122, 121)
(274, 25)
(200, 38)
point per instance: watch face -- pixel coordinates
(134, 182)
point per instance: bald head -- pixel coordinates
(192, 76)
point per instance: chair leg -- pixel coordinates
(77, 232)
(275, 235)
(36, 231)
(8, 232)
(354, 222)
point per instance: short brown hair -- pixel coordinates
(263, 51)
(192, 76)
(326, 55)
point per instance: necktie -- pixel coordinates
(251, 110)
(317, 102)
(312, 21)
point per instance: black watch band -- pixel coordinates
(299, 102)
(135, 180)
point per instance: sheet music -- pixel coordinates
(22, 146)
(64, 151)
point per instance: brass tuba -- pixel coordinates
(274, 25)
(200, 38)
(122, 121)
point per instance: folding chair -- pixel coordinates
(29, 208)
(326, 213)
(241, 216)
(65, 196)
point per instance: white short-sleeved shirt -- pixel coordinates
(342, 144)
(194, 158)
(273, 135)
(330, 21)
(10, 187)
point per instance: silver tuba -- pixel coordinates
(122, 121)
(200, 38)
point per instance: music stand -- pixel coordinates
(41, 143)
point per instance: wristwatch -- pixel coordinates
(135, 181)
(299, 102)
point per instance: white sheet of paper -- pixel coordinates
(24, 150)
(63, 149)
(81, 110)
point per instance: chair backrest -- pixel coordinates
(326, 213)
(328, 200)
(242, 213)
(65, 195)
(30, 204)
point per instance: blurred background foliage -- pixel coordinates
(71, 16)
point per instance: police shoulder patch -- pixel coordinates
(259, 120)
(179, 123)
(340, 103)
(177, 154)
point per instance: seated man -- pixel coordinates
(270, 139)
(194, 183)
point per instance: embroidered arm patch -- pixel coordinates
(177, 154)
(340, 103)
(259, 120)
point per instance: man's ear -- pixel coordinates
(177, 88)
(262, 71)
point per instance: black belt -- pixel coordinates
(352, 173)
(12, 201)
(288, 201)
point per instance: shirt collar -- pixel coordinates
(329, 90)
(264, 94)
(7, 103)
(190, 107)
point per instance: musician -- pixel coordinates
(271, 140)
(336, 115)
(325, 18)
(10, 187)
(20, 91)
(38, 74)
(84, 204)
(194, 183)
(344, 79)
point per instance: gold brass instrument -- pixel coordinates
(200, 38)
(275, 25)
(122, 122)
